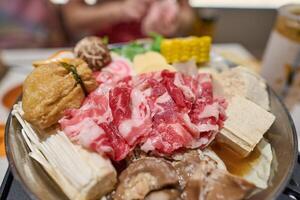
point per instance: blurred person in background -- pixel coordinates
(124, 20)
(29, 23)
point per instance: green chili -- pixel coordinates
(73, 70)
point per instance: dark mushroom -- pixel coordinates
(93, 51)
(227, 186)
(187, 164)
(210, 183)
(143, 176)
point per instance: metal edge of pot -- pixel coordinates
(295, 144)
(11, 161)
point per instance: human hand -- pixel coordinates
(162, 18)
(134, 10)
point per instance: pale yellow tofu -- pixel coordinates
(150, 62)
(245, 125)
(243, 82)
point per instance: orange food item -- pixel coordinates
(11, 96)
(2, 143)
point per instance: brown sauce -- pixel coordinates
(2, 143)
(10, 97)
(235, 164)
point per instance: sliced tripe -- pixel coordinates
(245, 125)
(81, 174)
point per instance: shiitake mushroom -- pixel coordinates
(143, 176)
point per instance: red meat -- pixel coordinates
(160, 112)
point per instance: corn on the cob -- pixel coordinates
(81, 174)
(184, 49)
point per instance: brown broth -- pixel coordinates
(235, 164)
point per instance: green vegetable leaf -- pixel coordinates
(130, 50)
(157, 39)
(76, 76)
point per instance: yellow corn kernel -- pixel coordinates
(184, 49)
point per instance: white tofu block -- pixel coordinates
(243, 82)
(81, 174)
(245, 125)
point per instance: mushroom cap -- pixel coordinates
(186, 165)
(216, 185)
(207, 181)
(93, 51)
(145, 175)
(164, 194)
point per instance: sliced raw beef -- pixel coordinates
(111, 143)
(119, 102)
(130, 110)
(161, 112)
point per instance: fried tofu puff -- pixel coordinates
(52, 88)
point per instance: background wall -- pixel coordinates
(250, 27)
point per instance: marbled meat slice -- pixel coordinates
(91, 126)
(131, 113)
(160, 111)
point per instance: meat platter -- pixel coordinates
(148, 121)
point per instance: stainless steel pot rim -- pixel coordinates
(295, 152)
(10, 159)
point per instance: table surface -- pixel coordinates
(19, 66)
